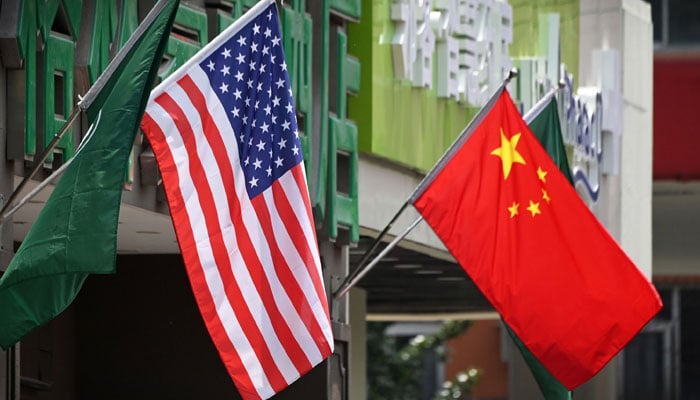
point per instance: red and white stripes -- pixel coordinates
(253, 264)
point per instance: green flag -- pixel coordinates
(76, 232)
(543, 120)
(545, 126)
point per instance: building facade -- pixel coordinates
(381, 90)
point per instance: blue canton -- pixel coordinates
(249, 75)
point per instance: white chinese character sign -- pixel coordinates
(468, 39)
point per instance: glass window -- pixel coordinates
(683, 22)
(663, 361)
(690, 345)
(676, 22)
(643, 373)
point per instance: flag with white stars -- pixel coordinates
(224, 131)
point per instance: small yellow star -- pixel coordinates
(542, 174)
(513, 209)
(534, 208)
(508, 153)
(545, 196)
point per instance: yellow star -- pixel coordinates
(545, 196)
(542, 174)
(508, 153)
(513, 209)
(534, 208)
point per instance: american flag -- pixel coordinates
(224, 131)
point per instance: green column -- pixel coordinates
(57, 90)
(342, 176)
(59, 28)
(190, 30)
(297, 32)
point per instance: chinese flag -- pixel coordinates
(521, 232)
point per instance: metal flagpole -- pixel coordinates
(7, 214)
(541, 103)
(52, 177)
(361, 270)
(39, 161)
(358, 270)
(347, 286)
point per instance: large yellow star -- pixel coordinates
(508, 153)
(534, 208)
(513, 209)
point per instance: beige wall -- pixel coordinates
(625, 206)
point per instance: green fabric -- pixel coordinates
(550, 387)
(76, 232)
(546, 128)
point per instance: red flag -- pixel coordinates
(224, 132)
(521, 232)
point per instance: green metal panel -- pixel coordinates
(58, 66)
(240, 6)
(349, 8)
(107, 20)
(223, 21)
(179, 48)
(35, 16)
(318, 197)
(128, 20)
(128, 23)
(58, 61)
(297, 34)
(343, 206)
(352, 74)
(47, 13)
(103, 30)
(337, 134)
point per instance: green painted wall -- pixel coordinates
(526, 28)
(396, 121)
(413, 126)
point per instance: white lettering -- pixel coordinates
(425, 46)
(582, 128)
(468, 38)
(403, 43)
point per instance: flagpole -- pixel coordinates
(39, 161)
(34, 191)
(361, 270)
(52, 177)
(346, 287)
(541, 103)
